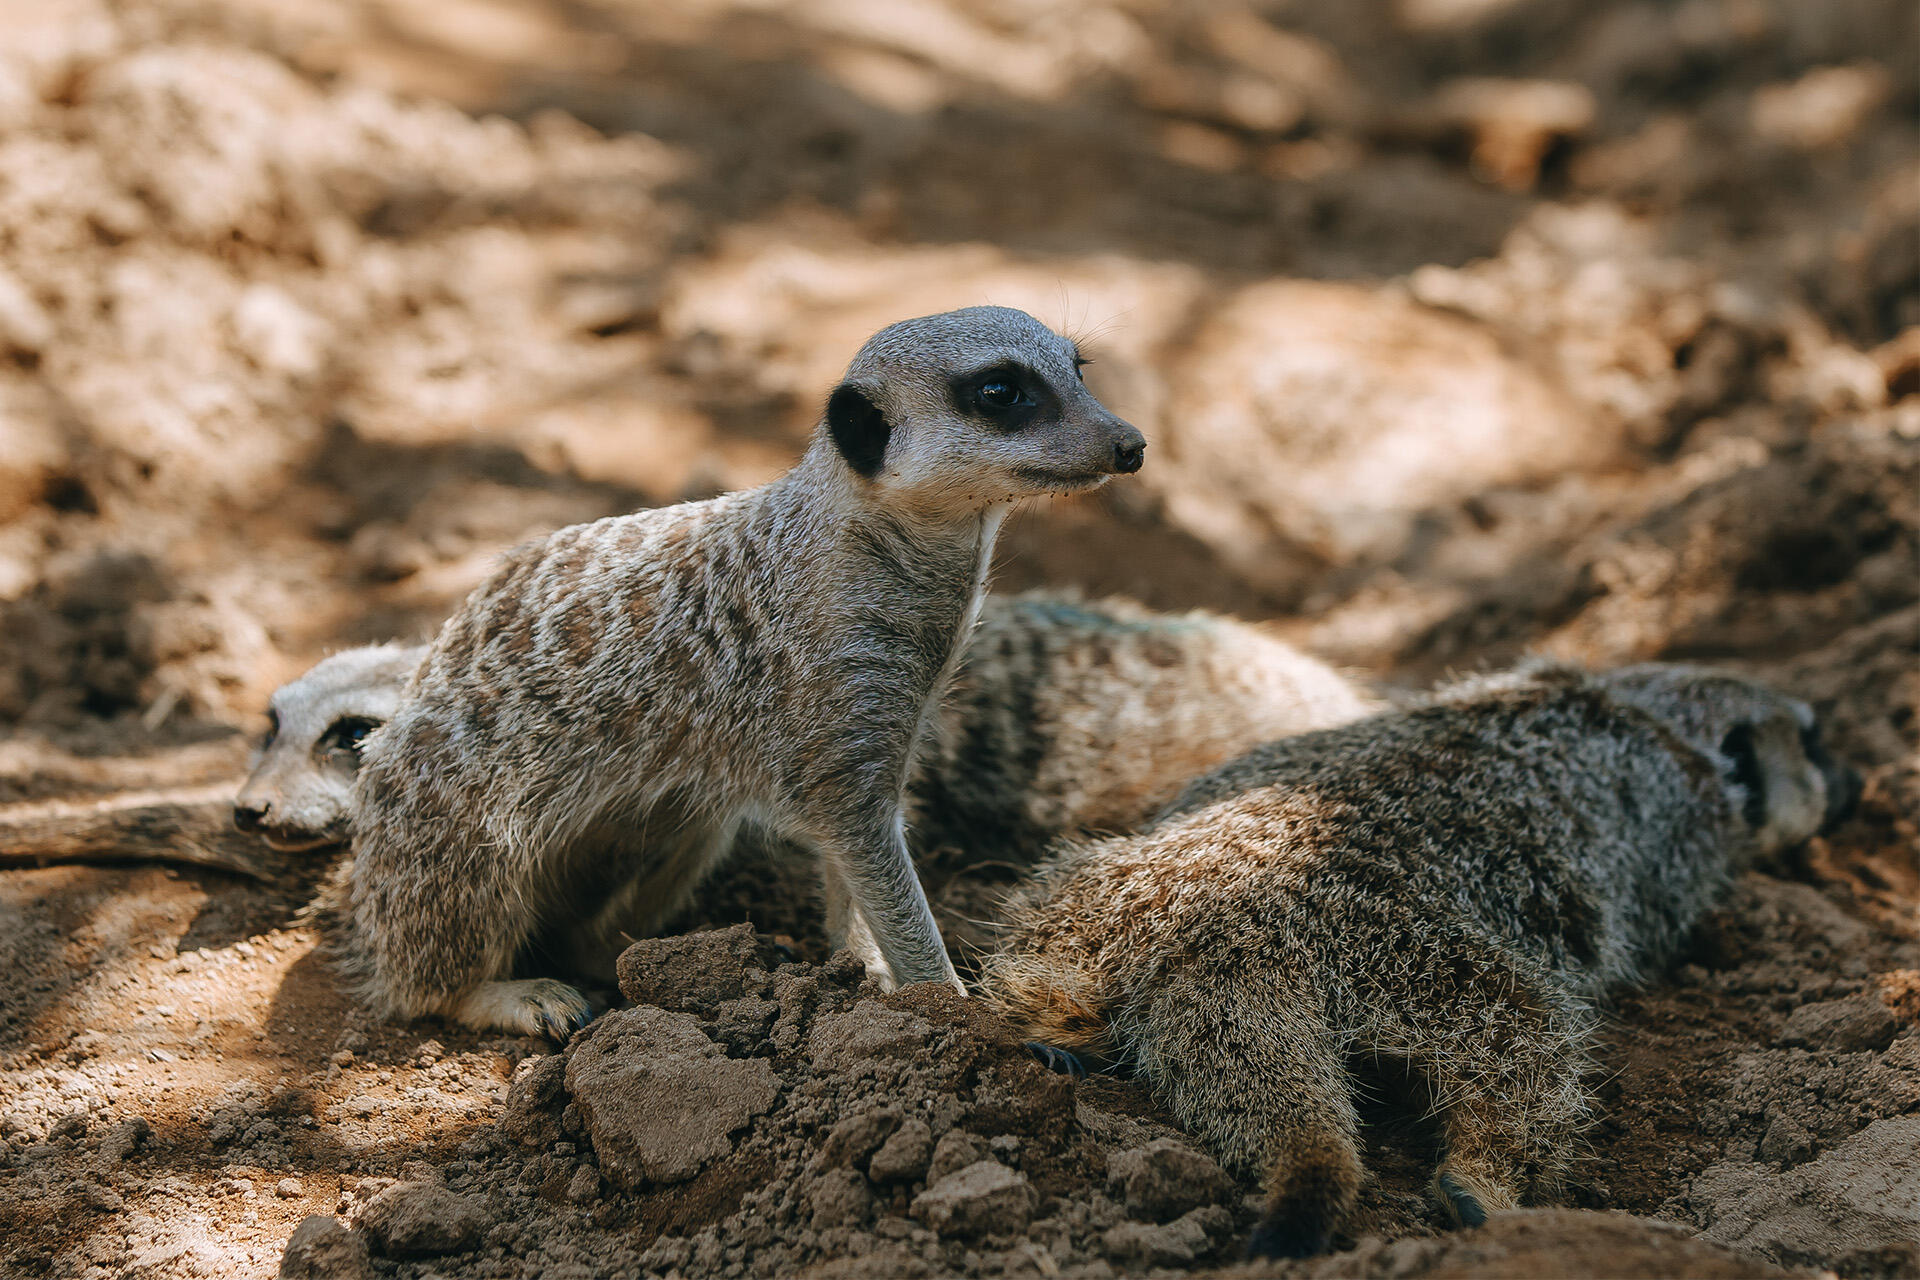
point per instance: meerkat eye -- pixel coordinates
(273, 728)
(1080, 364)
(349, 734)
(998, 394)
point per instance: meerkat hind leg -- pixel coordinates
(1271, 1094)
(1501, 1059)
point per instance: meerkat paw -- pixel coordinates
(1061, 1061)
(535, 1007)
(1279, 1237)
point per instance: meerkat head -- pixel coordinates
(299, 793)
(961, 411)
(1766, 745)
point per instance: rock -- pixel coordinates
(858, 1136)
(865, 1033)
(1860, 1196)
(904, 1156)
(1172, 1244)
(323, 1249)
(1863, 1024)
(840, 1198)
(955, 1151)
(422, 1220)
(985, 1198)
(1165, 1179)
(124, 1138)
(534, 1101)
(660, 1099)
(584, 1186)
(693, 972)
(1786, 1141)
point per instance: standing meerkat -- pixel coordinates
(1449, 887)
(596, 724)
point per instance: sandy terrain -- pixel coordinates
(1458, 328)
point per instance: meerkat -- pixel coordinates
(299, 796)
(1068, 717)
(1451, 887)
(595, 726)
(296, 799)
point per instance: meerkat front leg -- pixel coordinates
(876, 908)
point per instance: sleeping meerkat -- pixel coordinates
(597, 723)
(1449, 887)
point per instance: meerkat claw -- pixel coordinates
(1056, 1059)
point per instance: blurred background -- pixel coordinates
(1458, 327)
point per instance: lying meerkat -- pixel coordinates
(1450, 887)
(296, 799)
(598, 722)
(299, 795)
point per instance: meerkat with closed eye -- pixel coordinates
(595, 726)
(1451, 887)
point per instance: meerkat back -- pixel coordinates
(1070, 716)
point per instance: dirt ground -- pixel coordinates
(1459, 328)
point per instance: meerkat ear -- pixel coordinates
(1742, 750)
(860, 431)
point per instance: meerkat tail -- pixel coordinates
(192, 826)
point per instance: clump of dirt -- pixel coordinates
(1457, 330)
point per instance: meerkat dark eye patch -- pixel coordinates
(859, 430)
(1743, 754)
(273, 728)
(1008, 395)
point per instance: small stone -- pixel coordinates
(534, 1101)
(1166, 1178)
(289, 1188)
(422, 1219)
(905, 1156)
(1786, 1141)
(1171, 1244)
(695, 971)
(584, 1186)
(955, 1151)
(322, 1249)
(841, 1197)
(858, 1136)
(659, 1098)
(985, 1198)
(1861, 1024)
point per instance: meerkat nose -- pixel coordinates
(248, 819)
(1129, 454)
